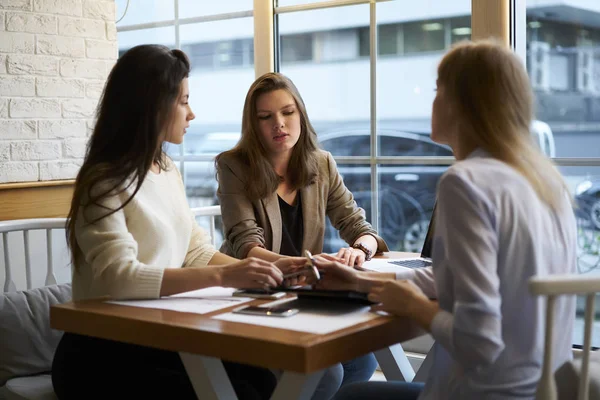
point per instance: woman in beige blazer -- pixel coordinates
(276, 189)
(278, 159)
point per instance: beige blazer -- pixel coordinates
(247, 223)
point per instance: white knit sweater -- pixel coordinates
(125, 254)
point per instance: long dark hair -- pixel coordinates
(262, 179)
(132, 115)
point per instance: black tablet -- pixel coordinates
(307, 292)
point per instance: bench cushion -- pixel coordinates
(568, 375)
(28, 343)
(38, 387)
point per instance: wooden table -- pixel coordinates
(203, 342)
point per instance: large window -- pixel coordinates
(563, 61)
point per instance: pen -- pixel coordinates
(311, 267)
(311, 262)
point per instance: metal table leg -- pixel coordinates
(293, 385)
(394, 364)
(208, 377)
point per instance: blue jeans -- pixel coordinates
(360, 369)
(380, 391)
(357, 370)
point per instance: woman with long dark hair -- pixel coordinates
(131, 235)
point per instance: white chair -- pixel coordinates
(28, 343)
(551, 287)
(211, 212)
(26, 226)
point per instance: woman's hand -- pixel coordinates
(335, 275)
(404, 299)
(288, 265)
(250, 273)
(351, 256)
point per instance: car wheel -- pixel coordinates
(588, 246)
(414, 237)
(595, 213)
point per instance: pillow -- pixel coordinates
(28, 343)
(567, 378)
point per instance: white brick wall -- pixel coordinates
(59, 87)
(26, 64)
(24, 5)
(13, 42)
(17, 129)
(74, 148)
(62, 128)
(4, 151)
(50, 170)
(59, 7)
(3, 108)
(93, 89)
(34, 150)
(33, 23)
(55, 56)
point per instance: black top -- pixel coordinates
(291, 227)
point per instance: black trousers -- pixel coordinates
(89, 368)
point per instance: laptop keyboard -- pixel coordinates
(419, 263)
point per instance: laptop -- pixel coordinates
(425, 259)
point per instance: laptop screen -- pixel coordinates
(428, 243)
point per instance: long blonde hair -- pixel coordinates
(492, 102)
(262, 179)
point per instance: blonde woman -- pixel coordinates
(503, 216)
(276, 190)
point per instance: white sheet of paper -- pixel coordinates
(313, 321)
(197, 301)
(384, 265)
(211, 292)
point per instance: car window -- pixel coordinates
(357, 145)
(393, 145)
(389, 145)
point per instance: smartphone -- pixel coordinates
(258, 294)
(278, 311)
